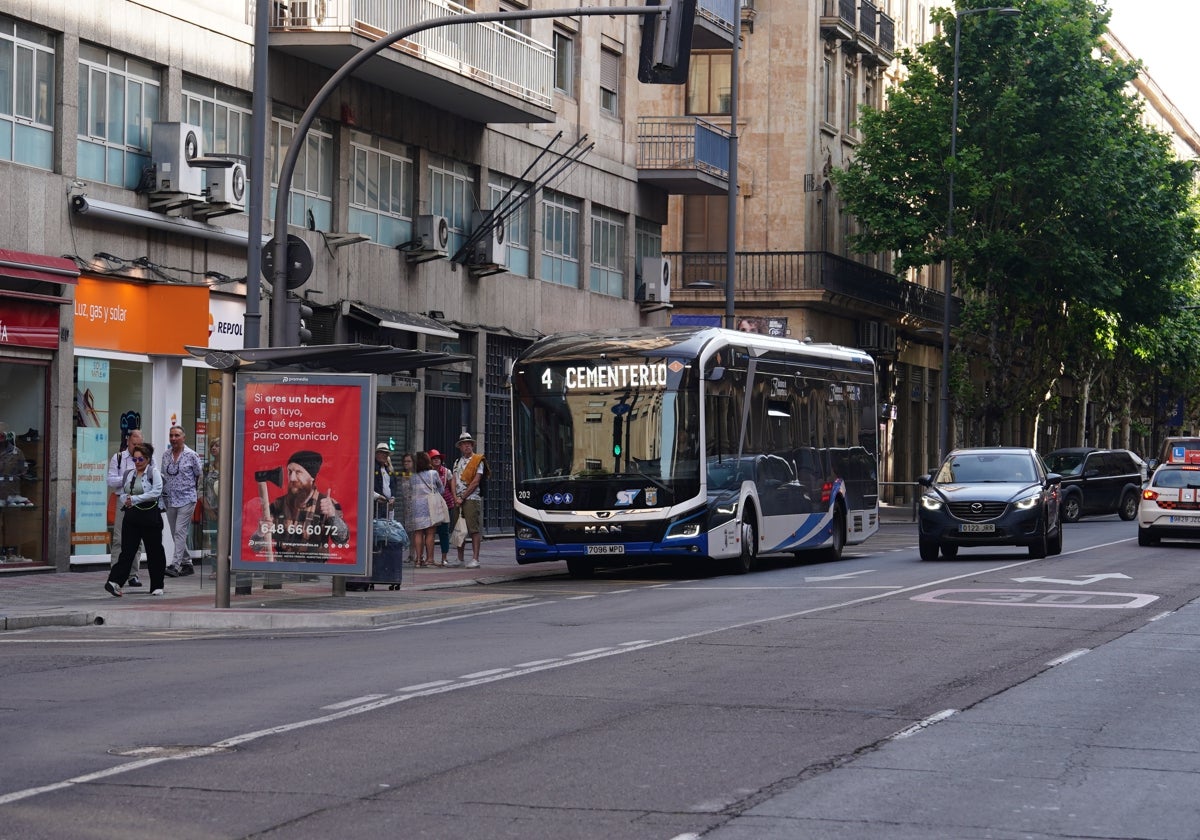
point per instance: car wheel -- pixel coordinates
(579, 568)
(1071, 508)
(1054, 544)
(1038, 548)
(1129, 506)
(949, 551)
(929, 549)
(745, 561)
(1146, 538)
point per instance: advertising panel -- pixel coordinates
(302, 466)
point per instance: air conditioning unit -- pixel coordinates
(227, 186)
(173, 146)
(492, 249)
(656, 280)
(433, 235)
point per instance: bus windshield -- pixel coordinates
(629, 423)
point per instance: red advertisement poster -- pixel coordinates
(301, 466)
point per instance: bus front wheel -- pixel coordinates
(745, 561)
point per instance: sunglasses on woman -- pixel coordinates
(138, 459)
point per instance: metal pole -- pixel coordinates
(944, 424)
(257, 176)
(731, 221)
(225, 493)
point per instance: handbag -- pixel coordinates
(458, 537)
(438, 511)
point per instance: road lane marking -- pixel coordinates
(366, 698)
(1067, 657)
(486, 673)
(1067, 582)
(1060, 598)
(425, 686)
(922, 724)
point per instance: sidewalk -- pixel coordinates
(78, 598)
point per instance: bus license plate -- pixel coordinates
(977, 528)
(606, 549)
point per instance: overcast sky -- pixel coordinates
(1163, 33)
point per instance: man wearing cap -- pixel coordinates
(305, 521)
(469, 471)
(385, 495)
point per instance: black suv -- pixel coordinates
(1098, 481)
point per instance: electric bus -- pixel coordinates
(688, 444)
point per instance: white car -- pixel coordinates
(1170, 505)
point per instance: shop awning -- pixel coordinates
(20, 265)
(392, 319)
(340, 358)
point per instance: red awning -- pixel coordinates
(25, 266)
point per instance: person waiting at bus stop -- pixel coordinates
(469, 471)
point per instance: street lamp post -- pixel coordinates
(944, 403)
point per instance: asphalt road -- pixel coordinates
(640, 704)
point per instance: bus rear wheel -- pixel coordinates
(834, 550)
(580, 568)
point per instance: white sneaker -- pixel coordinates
(156, 592)
(474, 564)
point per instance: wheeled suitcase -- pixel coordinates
(387, 563)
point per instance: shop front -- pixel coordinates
(132, 372)
(31, 317)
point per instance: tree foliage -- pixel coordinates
(1073, 226)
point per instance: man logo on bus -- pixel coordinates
(625, 497)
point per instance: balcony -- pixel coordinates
(713, 27)
(484, 72)
(861, 28)
(815, 279)
(683, 155)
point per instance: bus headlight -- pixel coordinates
(687, 529)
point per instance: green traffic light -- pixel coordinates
(617, 449)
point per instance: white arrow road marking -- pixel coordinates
(1084, 582)
(846, 576)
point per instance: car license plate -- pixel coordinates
(606, 549)
(977, 528)
(1185, 520)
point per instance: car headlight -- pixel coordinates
(1028, 501)
(931, 503)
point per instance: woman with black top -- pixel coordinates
(140, 492)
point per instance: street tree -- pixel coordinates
(1073, 223)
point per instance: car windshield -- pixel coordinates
(1065, 463)
(983, 467)
(1177, 477)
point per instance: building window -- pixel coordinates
(26, 94)
(709, 83)
(381, 190)
(848, 96)
(647, 239)
(610, 81)
(223, 114)
(452, 194)
(560, 239)
(827, 95)
(564, 62)
(118, 102)
(607, 274)
(522, 25)
(509, 196)
(312, 181)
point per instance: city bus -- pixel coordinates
(691, 444)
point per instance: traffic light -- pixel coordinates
(667, 42)
(298, 315)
